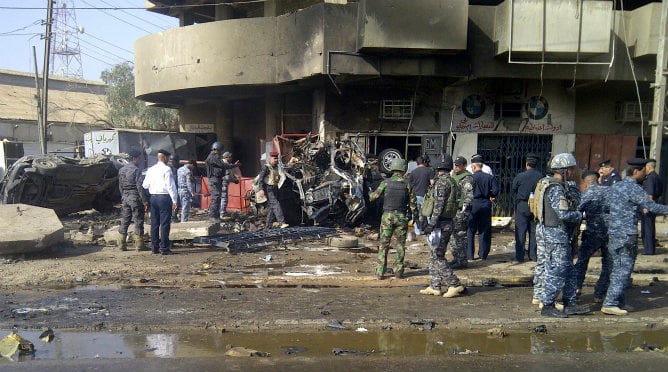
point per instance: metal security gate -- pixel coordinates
(505, 153)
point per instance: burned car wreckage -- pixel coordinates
(327, 180)
(63, 184)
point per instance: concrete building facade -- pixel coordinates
(406, 78)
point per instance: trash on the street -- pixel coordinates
(335, 324)
(240, 351)
(47, 336)
(12, 343)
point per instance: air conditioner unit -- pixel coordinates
(629, 111)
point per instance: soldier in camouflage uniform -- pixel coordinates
(442, 219)
(558, 218)
(594, 206)
(461, 222)
(185, 188)
(227, 178)
(398, 201)
(134, 202)
(268, 181)
(627, 198)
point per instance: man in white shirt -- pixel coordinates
(161, 186)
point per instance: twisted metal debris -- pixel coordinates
(256, 241)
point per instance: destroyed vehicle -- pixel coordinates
(325, 179)
(66, 185)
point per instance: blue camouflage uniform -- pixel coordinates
(133, 198)
(653, 186)
(186, 190)
(627, 199)
(611, 178)
(556, 272)
(594, 205)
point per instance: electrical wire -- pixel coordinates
(21, 28)
(158, 7)
(134, 16)
(103, 41)
(120, 19)
(123, 59)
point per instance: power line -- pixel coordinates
(21, 28)
(134, 16)
(97, 59)
(122, 20)
(167, 7)
(157, 18)
(86, 33)
(104, 50)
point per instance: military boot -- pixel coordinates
(121, 240)
(454, 291)
(430, 291)
(576, 310)
(550, 310)
(139, 243)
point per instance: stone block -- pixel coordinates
(28, 229)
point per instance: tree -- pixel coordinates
(125, 111)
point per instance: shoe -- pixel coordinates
(459, 266)
(284, 225)
(557, 306)
(454, 291)
(121, 242)
(613, 310)
(398, 275)
(167, 252)
(598, 300)
(430, 291)
(138, 243)
(155, 252)
(576, 310)
(535, 301)
(552, 311)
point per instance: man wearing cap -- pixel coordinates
(420, 178)
(523, 187)
(175, 164)
(268, 186)
(653, 186)
(215, 171)
(477, 158)
(399, 204)
(446, 191)
(485, 191)
(626, 200)
(227, 178)
(608, 174)
(461, 221)
(161, 186)
(134, 202)
(186, 188)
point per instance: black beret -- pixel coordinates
(164, 152)
(637, 162)
(460, 160)
(605, 163)
(477, 158)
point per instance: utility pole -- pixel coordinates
(38, 94)
(659, 86)
(45, 78)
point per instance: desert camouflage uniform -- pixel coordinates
(461, 220)
(394, 222)
(186, 190)
(596, 210)
(627, 199)
(440, 273)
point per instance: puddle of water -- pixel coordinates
(74, 345)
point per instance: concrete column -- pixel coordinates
(224, 125)
(270, 8)
(272, 115)
(186, 18)
(224, 12)
(319, 106)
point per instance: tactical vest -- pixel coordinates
(540, 207)
(396, 196)
(459, 177)
(452, 205)
(271, 179)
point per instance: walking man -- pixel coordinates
(399, 200)
(446, 193)
(461, 222)
(485, 191)
(134, 202)
(596, 211)
(523, 187)
(227, 178)
(420, 178)
(627, 199)
(557, 217)
(161, 186)
(653, 186)
(215, 171)
(186, 188)
(268, 186)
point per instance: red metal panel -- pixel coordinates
(613, 147)
(629, 145)
(582, 148)
(597, 150)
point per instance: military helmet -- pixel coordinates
(563, 160)
(217, 146)
(398, 164)
(445, 162)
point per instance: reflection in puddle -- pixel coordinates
(74, 345)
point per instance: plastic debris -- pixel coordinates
(13, 343)
(336, 325)
(240, 351)
(361, 329)
(47, 336)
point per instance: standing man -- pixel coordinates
(161, 186)
(446, 193)
(227, 178)
(654, 188)
(485, 168)
(215, 171)
(461, 222)
(420, 179)
(175, 164)
(557, 217)
(627, 199)
(485, 191)
(134, 202)
(523, 187)
(608, 175)
(596, 211)
(399, 200)
(186, 188)
(268, 186)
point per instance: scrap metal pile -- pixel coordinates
(249, 242)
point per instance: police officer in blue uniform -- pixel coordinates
(653, 186)
(627, 199)
(523, 188)
(485, 190)
(608, 174)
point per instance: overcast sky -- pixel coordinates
(108, 34)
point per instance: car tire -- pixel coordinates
(343, 242)
(45, 166)
(385, 159)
